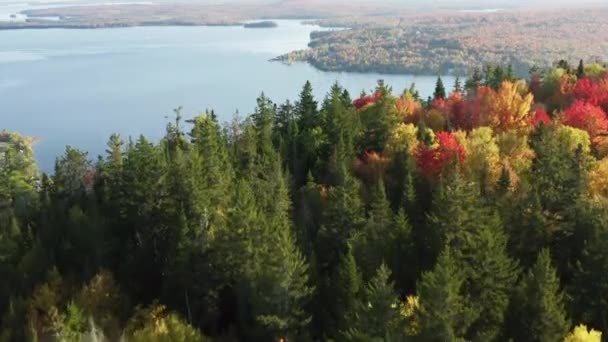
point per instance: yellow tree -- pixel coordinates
(483, 156)
(508, 107)
(597, 185)
(581, 334)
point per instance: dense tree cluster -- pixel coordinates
(456, 42)
(476, 215)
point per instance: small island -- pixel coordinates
(261, 24)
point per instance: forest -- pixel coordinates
(478, 214)
(452, 42)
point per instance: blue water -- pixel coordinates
(76, 87)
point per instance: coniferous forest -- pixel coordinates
(477, 215)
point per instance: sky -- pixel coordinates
(453, 4)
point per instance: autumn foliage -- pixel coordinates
(366, 100)
(432, 160)
(586, 116)
(539, 116)
(592, 91)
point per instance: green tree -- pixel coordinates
(378, 121)
(458, 85)
(445, 314)
(439, 92)
(475, 236)
(377, 314)
(580, 71)
(538, 310)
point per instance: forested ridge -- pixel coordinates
(456, 42)
(476, 215)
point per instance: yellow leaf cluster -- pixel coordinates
(483, 155)
(509, 109)
(581, 334)
(598, 179)
(404, 138)
(571, 138)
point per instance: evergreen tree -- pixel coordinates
(580, 71)
(474, 234)
(379, 120)
(374, 243)
(439, 92)
(458, 85)
(310, 137)
(444, 315)
(538, 312)
(473, 82)
(339, 127)
(377, 314)
(527, 226)
(510, 76)
(590, 261)
(346, 283)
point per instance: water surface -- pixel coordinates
(76, 87)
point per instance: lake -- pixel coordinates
(76, 87)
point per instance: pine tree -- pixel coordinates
(379, 120)
(527, 226)
(377, 314)
(474, 234)
(444, 314)
(339, 127)
(497, 77)
(588, 245)
(282, 284)
(336, 300)
(580, 71)
(306, 109)
(458, 85)
(510, 76)
(374, 243)
(538, 312)
(473, 82)
(439, 92)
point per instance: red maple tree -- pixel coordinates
(431, 161)
(586, 116)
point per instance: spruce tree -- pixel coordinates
(473, 82)
(474, 233)
(379, 120)
(439, 92)
(580, 71)
(510, 76)
(588, 254)
(445, 315)
(458, 85)
(377, 314)
(374, 243)
(308, 122)
(338, 296)
(538, 312)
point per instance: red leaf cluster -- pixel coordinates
(455, 107)
(364, 101)
(586, 116)
(540, 115)
(592, 91)
(431, 161)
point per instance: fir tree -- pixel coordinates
(444, 314)
(538, 311)
(473, 82)
(439, 92)
(377, 314)
(580, 71)
(458, 85)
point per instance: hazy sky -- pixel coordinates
(409, 3)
